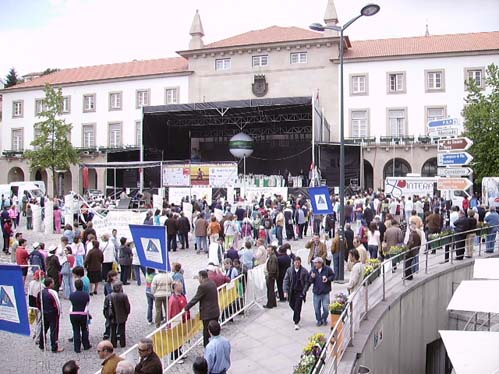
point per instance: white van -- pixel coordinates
(5, 190)
(31, 191)
(39, 184)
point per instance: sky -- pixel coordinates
(37, 34)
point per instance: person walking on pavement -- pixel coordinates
(117, 309)
(321, 277)
(295, 288)
(171, 230)
(125, 258)
(51, 313)
(217, 353)
(184, 227)
(492, 219)
(161, 287)
(316, 249)
(271, 275)
(207, 296)
(284, 261)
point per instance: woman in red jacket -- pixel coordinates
(176, 304)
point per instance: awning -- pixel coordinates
(487, 268)
(122, 165)
(472, 352)
(476, 296)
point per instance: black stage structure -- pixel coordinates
(280, 127)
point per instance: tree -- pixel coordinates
(52, 148)
(49, 71)
(481, 121)
(11, 79)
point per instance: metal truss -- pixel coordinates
(239, 121)
(256, 133)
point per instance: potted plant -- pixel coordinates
(395, 251)
(446, 237)
(435, 242)
(484, 228)
(310, 354)
(372, 269)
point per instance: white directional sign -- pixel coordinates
(454, 172)
(444, 127)
(454, 159)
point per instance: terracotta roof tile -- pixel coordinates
(110, 71)
(273, 34)
(423, 45)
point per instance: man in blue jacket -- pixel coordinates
(321, 277)
(492, 219)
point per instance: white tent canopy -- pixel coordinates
(472, 352)
(476, 296)
(487, 268)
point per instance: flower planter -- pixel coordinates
(338, 350)
(436, 244)
(372, 277)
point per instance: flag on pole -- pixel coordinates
(321, 200)
(150, 242)
(13, 309)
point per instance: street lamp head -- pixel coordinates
(370, 10)
(316, 27)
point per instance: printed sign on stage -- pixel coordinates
(150, 242)
(13, 309)
(200, 175)
(176, 175)
(321, 200)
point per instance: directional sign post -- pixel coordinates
(455, 144)
(454, 159)
(453, 184)
(444, 127)
(454, 172)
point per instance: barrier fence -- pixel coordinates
(390, 274)
(179, 335)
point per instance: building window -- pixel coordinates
(298, 58)
(396, 82)
(359, 123)
(115, 101)
(39, 106)
(138, 133)
(434, 80)
(171, 96)
(115, 135)
(430, 168)
(359, 84)
(222, 64)
(89, 103)
(66, 104)
(262, 60)
(17, 140)
(142, 98)
(17, 109)
(397, 122)
(477, 74)
(88, 136)
(435, 113)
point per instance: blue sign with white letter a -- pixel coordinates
(320, 199)
(13, 309)
(150, 242)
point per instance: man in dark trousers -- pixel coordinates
(184, 227)
(295, 288)
(171, 231)
(49, 299)
(207, 295)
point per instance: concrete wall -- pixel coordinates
(409, 322)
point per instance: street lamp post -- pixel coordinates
(368, 10)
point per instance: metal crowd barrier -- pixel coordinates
(182, 333)
(379, 284)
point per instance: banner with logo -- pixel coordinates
(119, 220)
(321, 200)
(176, 175)
(200, 174)
(150, 242)
(13, 309)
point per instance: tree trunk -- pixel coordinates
(54, 183)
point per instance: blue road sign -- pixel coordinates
(13, 308)
(150, 242)
(443, 123)
(321, 200)
(454, 159)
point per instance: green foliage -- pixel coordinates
(52, 148)
(481, 116)
(11, 79)
(49, 71)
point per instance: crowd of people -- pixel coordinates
(235, 239)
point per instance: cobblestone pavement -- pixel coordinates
(255, 328)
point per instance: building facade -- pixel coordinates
(103, 104)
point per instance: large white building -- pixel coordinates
(392, 88)
(104, 105)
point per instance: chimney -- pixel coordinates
(196, 33)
